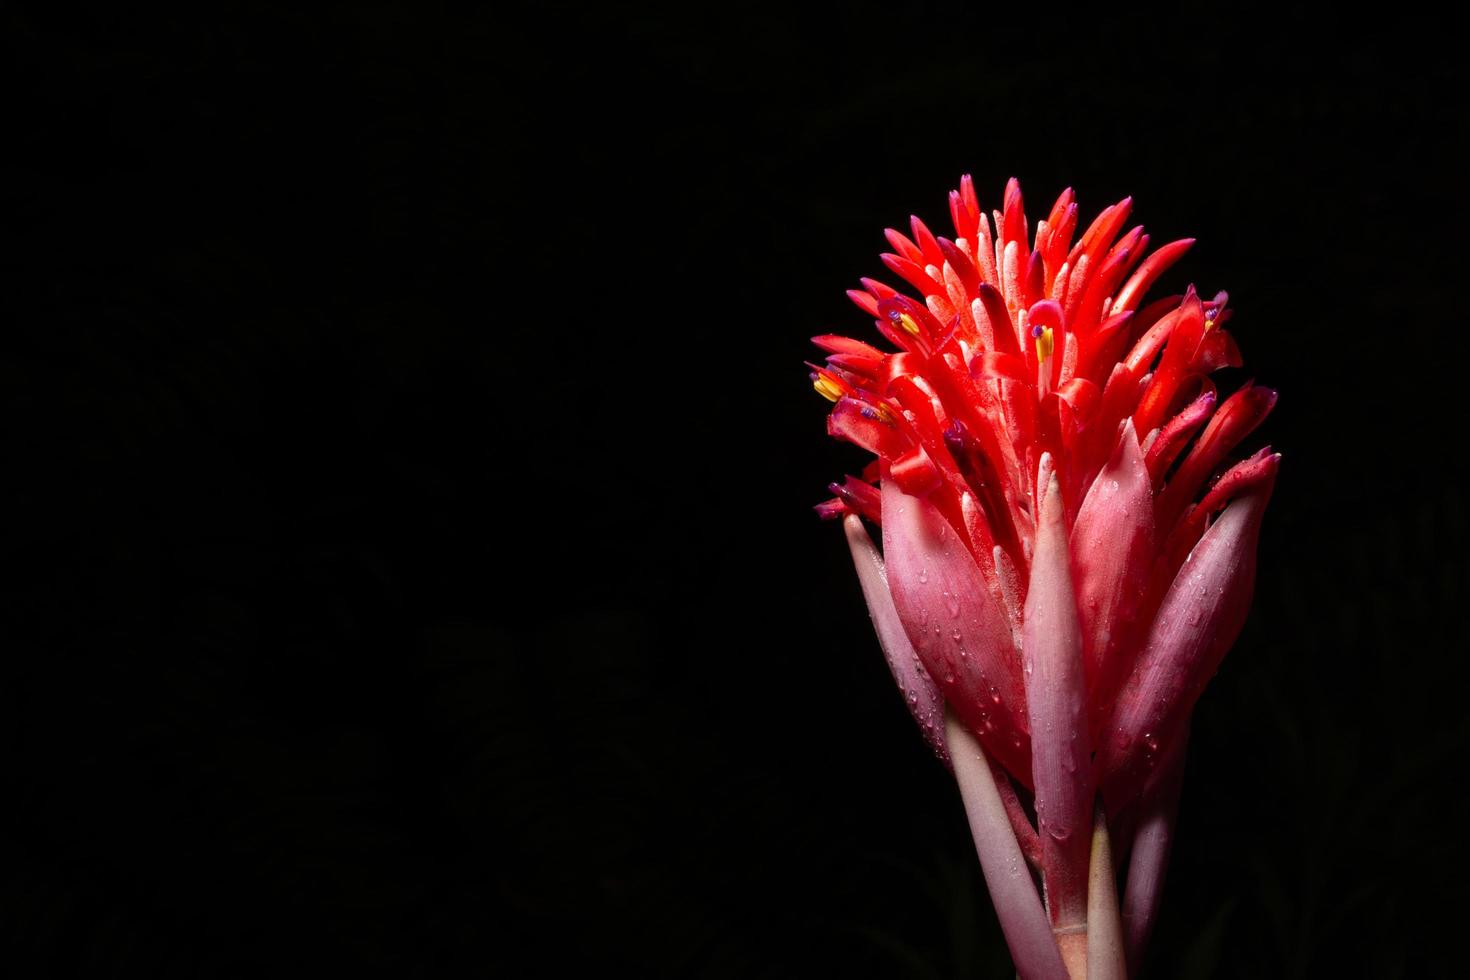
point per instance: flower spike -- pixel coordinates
(1063, 563)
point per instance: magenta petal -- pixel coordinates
(1061, 760)
(918, 688)
(1012, 892)
(957, 625)
(1112, 545)
(1197, 622)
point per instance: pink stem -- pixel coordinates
(1022, 919)
(1150, 858)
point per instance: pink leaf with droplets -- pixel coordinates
(956, 624)
(1112, 545)
(1060, 758)
(1199, 619)
(920, 692)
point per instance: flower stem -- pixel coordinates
(1105, 960)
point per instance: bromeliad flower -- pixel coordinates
(1059, 577)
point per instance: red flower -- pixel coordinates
(1058, 572)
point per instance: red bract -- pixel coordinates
(1058, 571)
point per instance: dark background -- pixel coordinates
(408, 562)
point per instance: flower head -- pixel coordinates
(1061, 571)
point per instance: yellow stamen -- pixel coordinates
(908, 323)
(1045, 344)
(827, 388)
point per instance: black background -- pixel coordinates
(408, 563)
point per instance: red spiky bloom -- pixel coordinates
(1059, 575)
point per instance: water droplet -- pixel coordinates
(923, 576)
(1149, 742)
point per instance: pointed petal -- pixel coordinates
(835, 344)
(829, 510)
(864, 301)
(1113, 542)
(994, 305)
(1060, 755)
(911, 272)
(1175, 434)
(1235, 419)
(1152, 268)
(879, 291)
(859, 497)
(960, 213)
(919, 691)
(860, 423)
(903, 246)
(1013, 219)
(1012, 892)
(1234, 482)
(925, 239)
(961, 264)
(1199, 619)
(956, 624)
